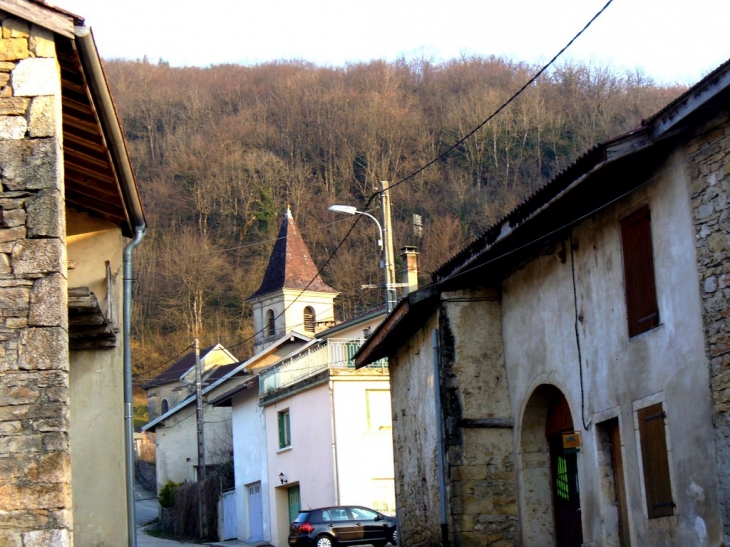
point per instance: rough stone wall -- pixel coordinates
(35, 498)
(477, 413)
(414, 440)
(709, 172)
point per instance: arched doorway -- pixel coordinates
(549, 473)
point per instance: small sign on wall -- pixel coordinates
(571, 441)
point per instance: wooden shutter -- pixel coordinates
(641, 301)
(657, 484)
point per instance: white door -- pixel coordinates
(230, 530)
(255, 513)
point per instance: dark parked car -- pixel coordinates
(342, 525)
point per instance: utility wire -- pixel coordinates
(433, 161)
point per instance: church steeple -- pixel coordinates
(290, 265)
(286, 300)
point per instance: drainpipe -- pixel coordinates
(334, 443)
(140, 232)
(440, 439)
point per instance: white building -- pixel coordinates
(308, 430)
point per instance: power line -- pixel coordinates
(433, 161)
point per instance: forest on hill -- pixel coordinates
(220, 151)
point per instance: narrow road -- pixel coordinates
(146, 511)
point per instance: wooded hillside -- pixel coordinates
(219, 151)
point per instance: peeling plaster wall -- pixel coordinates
(414, 440)
(666, 364)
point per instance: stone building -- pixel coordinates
(564, 380)
(68, 203)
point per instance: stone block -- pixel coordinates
(53, 467)
(33, 164)
(10, 428)
(4, 79)
(15, 28)
(33, 496)
(12, 234)
(5, 264)
(49, 302)
(41, 43)
(42, 117)
(6, 92)
(10, 538)
(14, 106)
(47, 538)
(6, 66)
(46, 214)
(55, 441)
(43, 349)
(14, 298)
(38, 256)
(13, 127)
(33, 77)
(21, 444)
(16, 322)
(14, 49)
(13, 218)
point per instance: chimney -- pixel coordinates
(409, 275)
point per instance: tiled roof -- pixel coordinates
(290, 265)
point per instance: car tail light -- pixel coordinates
(306, 528)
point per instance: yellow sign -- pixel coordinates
(571, 440)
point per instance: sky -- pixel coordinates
(671, 41)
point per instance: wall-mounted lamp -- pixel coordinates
(282, 478)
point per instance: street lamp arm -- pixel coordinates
(350, 210)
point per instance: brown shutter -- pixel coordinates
(656, 463)
(641, 301)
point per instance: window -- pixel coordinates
(655, 460)
(164, 406)
(270, 323)
(309, 319)
(641, 300)
(284, 429)
(378, 409)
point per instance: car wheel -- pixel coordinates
(324, 541)
(394, 537)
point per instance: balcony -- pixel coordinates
(331, 353)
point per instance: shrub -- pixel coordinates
(167, 494)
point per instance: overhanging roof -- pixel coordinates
(99, 178)
(600, 177)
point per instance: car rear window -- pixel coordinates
(301, 517)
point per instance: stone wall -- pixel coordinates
(35, 497)
(477, 414)
(709, 172)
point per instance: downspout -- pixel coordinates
(104, 106)
(333, 422)
(140, 232)
(440, 439)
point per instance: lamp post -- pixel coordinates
(389, 284)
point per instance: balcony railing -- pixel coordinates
(329, 353)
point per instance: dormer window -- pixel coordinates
(309, 319)
(270, 323)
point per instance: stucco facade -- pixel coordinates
(330, 425)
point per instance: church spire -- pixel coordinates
(290, 265)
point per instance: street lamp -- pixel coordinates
(389, 285)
